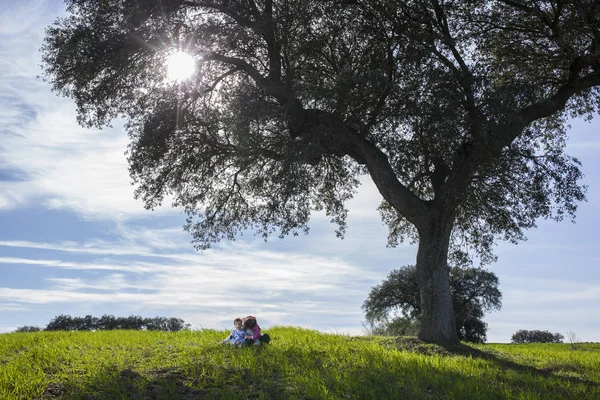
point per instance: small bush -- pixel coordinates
(28, 328)
(536, 336)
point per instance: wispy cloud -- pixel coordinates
(15, 194)
(218, 282)
(553, 292)
(69, 167)
(131, 267)
(91, 247)
(557, 305)
(112, 283)
(584, 145)
(14, 307)
(72, 168)
(171, 238)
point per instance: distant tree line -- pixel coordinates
(110, 322)
(28, 328)
(536, 336)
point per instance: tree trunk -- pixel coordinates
(437, 318)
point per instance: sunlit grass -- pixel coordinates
(297, 364)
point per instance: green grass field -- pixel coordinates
(298, 364)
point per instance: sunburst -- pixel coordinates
(181, 66)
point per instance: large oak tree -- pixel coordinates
(456, 109)
(394, 306)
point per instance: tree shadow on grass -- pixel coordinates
(468, 351)
(214, 382)
(158, 384)
(375, 379)
(314, 374)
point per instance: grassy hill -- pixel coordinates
(298, 364)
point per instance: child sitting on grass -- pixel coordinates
(253, 330)
(237, 337)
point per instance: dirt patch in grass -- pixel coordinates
(414, 345)
(173, 383)
(164, 383)
(53, 391)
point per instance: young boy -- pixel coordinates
(237, 337)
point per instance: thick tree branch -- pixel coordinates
(462, 72)
(215, 82)
(474, 153)
(355, 145)
(438, 176)
(372, 119)
(273, 47)
(271, 87)
(237, 62)
(556, 102)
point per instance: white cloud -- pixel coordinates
(112, 283)
(19, 17)
(90, 247)
(15, 194)
(7, 328)
(235, 279)
(583, 146)
(136, 267)
(557, 305)
(162, 239)
(540, 296)
(83, 170)
(74, 168)
(542, 291)
(234, 269)
(503, 325)
(14, 307)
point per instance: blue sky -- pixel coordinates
(74, 241)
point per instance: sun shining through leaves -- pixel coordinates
(180, 66)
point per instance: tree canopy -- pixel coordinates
(396, 302)
(456, 109)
